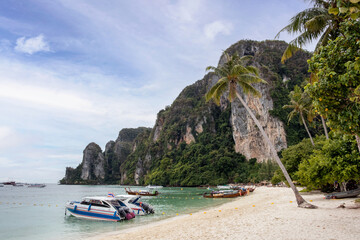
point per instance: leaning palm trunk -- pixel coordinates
(299, 199)
(358, 141)
(325, 129)
(307, 130)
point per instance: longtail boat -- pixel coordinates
(347, 194)
(141, 192)
(222, 194)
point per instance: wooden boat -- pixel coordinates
(347, 194)
(222, 194)
(141, 192)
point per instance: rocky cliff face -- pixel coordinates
(93, 163)
(138, 154)
(247, 138)
(103, 167)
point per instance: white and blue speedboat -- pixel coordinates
(100, 208)
(134, 203)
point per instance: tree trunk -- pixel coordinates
(299, 199)
(307, 130)
(343, 186)
(325, 128)
(358, 141)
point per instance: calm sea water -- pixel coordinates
(39, 213)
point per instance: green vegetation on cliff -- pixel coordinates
(211, 160)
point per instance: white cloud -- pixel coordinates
(54, 98)
(4, 162)
(185, 10)
(9, 138)
(32, 45)
(213, 29)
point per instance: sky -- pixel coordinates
(75, 72)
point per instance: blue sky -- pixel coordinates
(75, 72)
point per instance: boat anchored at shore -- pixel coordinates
(100, 208)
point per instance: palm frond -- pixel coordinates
(289, 52)
(217, 90)
(253, 70)
(250, 79)
(249, 89)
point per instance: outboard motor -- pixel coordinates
(122, 212)
(148, 209)
(129, 214)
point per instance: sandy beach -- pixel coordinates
(267, 213)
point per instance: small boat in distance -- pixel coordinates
(37, 185)
(1, 185)
(100, 208)
(133, 202)
(142, 192)
(9, 183)
(152, 186)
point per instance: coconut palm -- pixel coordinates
(313, 23)
(301, 105)
(233, 74)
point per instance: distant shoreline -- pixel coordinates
(267, 213)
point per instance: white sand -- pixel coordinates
(267, 213)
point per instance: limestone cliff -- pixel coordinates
(93, 163)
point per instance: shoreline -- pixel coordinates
(267, 213)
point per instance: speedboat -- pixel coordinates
(133, 202)
(153, 186)
(100, 208)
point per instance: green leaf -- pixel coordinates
(355, 16)
(354, 1)
(334, 11)
(343, 9)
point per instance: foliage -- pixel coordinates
(346, 9)
(296, 154)
(338, 160)
(313, 23)
(336, 78)
(299, 103)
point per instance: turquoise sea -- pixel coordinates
(39, 213)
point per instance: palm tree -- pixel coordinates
(311, 24)
(234, 73)
(301, 105)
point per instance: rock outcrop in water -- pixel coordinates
(142, 155)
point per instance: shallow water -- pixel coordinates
(39, 213)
